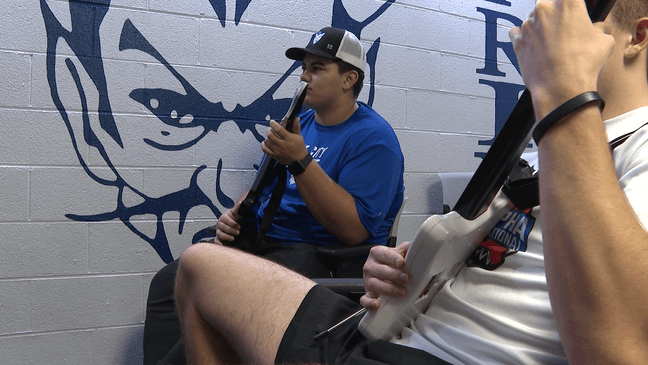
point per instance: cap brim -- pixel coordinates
(298, 54)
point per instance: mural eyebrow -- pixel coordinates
(342, 19)
(132, 38)
(207, 114)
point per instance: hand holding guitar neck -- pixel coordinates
(268, 164)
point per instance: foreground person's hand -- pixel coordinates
(384, 274)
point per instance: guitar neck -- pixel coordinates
(267, 166)
(509, 143)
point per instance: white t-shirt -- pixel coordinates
(501, 314)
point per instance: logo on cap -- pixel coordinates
(318, 36)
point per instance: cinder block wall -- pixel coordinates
(128, 126)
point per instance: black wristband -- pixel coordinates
(563, 110)
(298, 167)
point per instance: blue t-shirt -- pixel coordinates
(363, 156)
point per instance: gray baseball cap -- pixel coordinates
(333, 43)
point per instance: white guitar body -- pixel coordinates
(438, 252)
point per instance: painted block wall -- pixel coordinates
(128, 126)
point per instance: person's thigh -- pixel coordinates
(162, 336)
(248, 299)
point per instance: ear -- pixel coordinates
(350, 78)
(639, 38)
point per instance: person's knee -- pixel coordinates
(194, 257)
(189, 265)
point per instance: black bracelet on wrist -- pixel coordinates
(298, 167)
(563, 110)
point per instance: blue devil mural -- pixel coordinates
(190, 109)
(176, 110)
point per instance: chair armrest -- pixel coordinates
(340, 251)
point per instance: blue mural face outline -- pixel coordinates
(170, 108)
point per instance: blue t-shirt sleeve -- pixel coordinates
(373, 176)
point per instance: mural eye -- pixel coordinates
(172, 108)
(187, 119)
(184, 120)
(175, 111)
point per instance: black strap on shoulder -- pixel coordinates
(524, 194)
(521, 186)
(619, 140)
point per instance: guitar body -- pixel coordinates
(438, 252)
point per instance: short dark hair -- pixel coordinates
(627, 11)
(345, 67)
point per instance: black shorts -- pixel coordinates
(320, 310)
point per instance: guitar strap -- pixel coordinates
(619, 140)
(523, 193)
(273, 205)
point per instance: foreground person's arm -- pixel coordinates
(594, 245)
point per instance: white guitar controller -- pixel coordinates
(438, 252)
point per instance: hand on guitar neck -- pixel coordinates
(284, 143)
(385, 274)
(284, 140)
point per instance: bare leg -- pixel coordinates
(223, 293)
